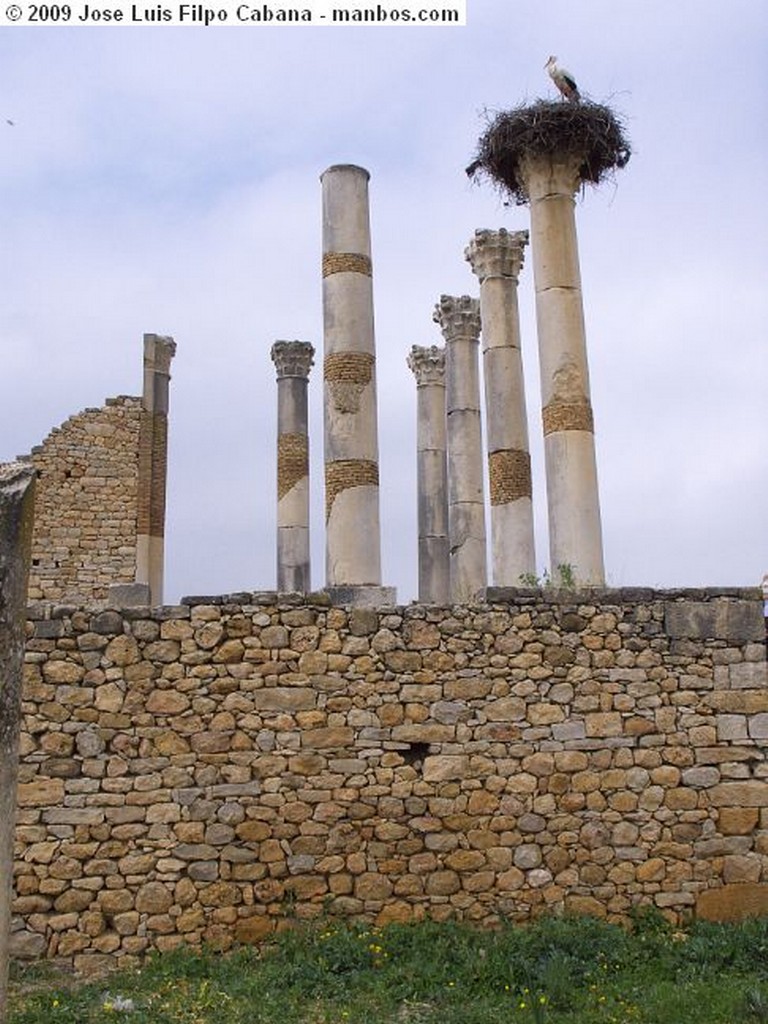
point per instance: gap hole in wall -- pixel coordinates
(415, 753)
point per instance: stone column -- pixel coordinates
(153, 464)
(16, 515)
(459, 320)
(292, 360)
(575, 533)
(353, 540)
(496, 257)
(428, 366)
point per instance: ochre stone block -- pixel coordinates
(341, 736)
(734, 902)
(41, 792)
(252, 930)
(739, 794)
(603, 724)
(447, 766)
(738, 821)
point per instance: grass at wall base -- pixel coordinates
(558, 970)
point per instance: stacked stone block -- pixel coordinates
(188, 774)
(16, 518)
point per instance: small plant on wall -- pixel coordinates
(564, 577)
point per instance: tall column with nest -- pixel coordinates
(541, 154)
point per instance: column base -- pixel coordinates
(362, 596)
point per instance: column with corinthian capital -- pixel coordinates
(575, 533)
(496, 257)
(292, 360)
(459, 320)
(428, 366)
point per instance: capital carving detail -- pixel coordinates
(550, 174)
(292, 358)
(496, 253)
(427, 364)
(458, 317)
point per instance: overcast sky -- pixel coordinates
(166, 180)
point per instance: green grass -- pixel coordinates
(574, 970)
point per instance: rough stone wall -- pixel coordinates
(86, 505)
(199, 772)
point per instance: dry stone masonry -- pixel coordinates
(198, 772)
(17, 484)
(86, 504)
(100, 497)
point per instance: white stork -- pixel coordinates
(563, 79)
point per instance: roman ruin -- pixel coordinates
(496, 258)
(293, 360)
(428, 366)
(16, 518)
(575, 532)
(188, 773)
(153, 464)
(459, 321)
(352, 527)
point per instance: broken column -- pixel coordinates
(496, 257)
(16, 515)
(459, 320)
(292, 360)
(575, 533)
(153, 464)
(353, 539)
(428, 366)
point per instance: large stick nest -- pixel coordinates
(591, 132)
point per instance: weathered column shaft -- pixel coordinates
(496, 258)
(428, 366)
(16, 516)
(353, 546)
(292, 360)
(575, 533)
(459, 320)
(353, 535)
(153, 464)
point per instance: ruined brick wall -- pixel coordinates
(197, 772)
(86, 506)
